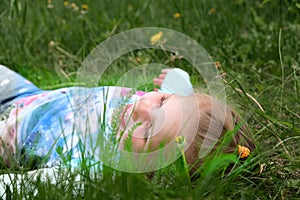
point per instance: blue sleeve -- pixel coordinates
(178, 82)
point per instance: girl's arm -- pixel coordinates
(174, 81)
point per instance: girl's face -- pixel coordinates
(154, 120)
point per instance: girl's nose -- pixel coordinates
(141, 111)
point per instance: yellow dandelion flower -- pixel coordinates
(84, 7)
(180, 139)
(156, 37)
(66, 3)
(176, 15)
(243, 151)
(212, 11)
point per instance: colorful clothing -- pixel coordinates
(48, 126)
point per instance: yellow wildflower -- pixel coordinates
(156, 37)
(66, 3)
(243, 151)
(176, 15)
(84, 7)
(180, 139)
(212, 11)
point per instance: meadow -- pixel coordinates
(256, 45)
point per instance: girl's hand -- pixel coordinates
(159, 80)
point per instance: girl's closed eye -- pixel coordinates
(163, 98)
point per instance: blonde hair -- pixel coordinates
(217, 119)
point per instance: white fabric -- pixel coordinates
(178, 82)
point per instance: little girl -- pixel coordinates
(46, 128)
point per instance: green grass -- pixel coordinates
(257, 43)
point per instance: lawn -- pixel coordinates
(257, 47)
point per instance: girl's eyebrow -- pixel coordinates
(167, 98)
